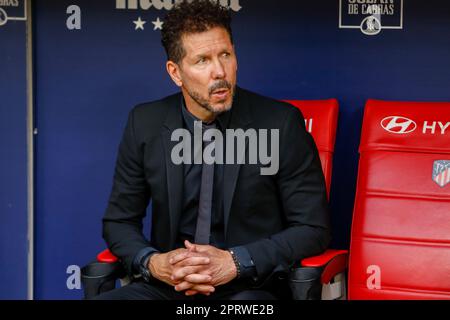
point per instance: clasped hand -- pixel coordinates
(194, 269)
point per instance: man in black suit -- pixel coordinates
(220, 230)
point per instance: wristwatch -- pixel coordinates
(143, 268)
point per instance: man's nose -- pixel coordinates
(218, 70)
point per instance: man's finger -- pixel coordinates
(180, 273)
(182, 256)
(193, 261)
(178, 257)
(198, 278)
(189, 246)
(201, 288)
(192, 293)
(196, 247)
(200, 248)
(182, 286)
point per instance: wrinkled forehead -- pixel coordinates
(213, 40)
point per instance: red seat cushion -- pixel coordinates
(401, 219)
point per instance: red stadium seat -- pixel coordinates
(321, 117)
(321, 121)
(400, 241)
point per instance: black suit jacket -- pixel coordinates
(280, 218)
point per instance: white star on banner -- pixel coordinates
(158, 24)
(139, 24)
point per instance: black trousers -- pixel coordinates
(140, 290)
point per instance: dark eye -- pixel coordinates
(201, 61)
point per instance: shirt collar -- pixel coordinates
(222, 119)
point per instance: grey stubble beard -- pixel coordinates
(206, 105)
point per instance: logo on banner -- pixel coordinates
(371, 16)
(441, 172)
(168, 5)
(12, 10)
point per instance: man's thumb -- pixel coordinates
(189, 246)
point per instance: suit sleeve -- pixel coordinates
(122, 222)
(302, 189)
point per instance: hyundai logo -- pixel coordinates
(398, 125)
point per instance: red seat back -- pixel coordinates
(400, 241)
(321, 121)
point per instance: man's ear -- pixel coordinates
(173, 70)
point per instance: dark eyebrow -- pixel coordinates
(199, 56)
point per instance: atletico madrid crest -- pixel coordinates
(441, 172)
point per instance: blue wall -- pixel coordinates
(13, 162)
(87, 80)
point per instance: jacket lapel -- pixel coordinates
(240, 119)
(174, 172)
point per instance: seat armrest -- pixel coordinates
(107, 257)
(100, 276)
(332, 261)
